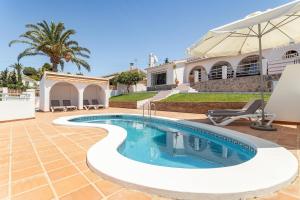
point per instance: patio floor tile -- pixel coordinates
(130, 195)
(87, 192)
(62, 172)
(108, 187)
(69, 184)
(41, 193)
(28, 184)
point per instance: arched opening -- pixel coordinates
(291, 54)
(94, 92)
(198, 71)
(216, 70)
(64, 91)
(248, 66)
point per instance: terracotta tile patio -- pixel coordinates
(41, 161)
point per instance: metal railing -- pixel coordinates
(149, 109)
(13, 96)
(249, 69)
(216, 73)
(277, 66)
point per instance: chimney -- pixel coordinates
(131, 66)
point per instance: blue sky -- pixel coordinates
(122, 31)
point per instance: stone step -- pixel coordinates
(159, 96)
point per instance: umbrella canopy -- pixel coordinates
(276, 27)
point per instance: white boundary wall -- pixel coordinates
(14, 109)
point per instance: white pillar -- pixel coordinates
(45, 88)
(80, 98)
(204, 76)
(4, 90)
(107, 96)
(224, 72)
(196, 76)
(264, 66)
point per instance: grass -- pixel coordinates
(214, 97)
(133, 97)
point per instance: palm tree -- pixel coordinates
(18, 67)
(53, 40)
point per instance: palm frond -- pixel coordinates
(79, 62)
(82, 55)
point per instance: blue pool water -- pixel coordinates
(173, 144)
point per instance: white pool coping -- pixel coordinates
(272, 168)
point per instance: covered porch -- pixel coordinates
(74, 88)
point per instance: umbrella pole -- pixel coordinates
(261, 75)
(261, 125)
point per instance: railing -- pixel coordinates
(288, 56)
(13, 96)
(277, 66)
(252, 68)
(249, 69)
(150, 104)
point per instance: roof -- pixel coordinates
(164, 64)
(72, 78)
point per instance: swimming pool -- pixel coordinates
(173, 144)
(183, 159)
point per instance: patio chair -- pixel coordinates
(87, 105)
(55, 105)
(68, 106)
(251, 111)
(96, 104)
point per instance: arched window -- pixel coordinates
(201, 70)
(216, 70)
(291, 54)
(249, 66)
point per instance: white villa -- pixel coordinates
(76, 88)
(223, 73)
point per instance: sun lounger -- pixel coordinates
(55, 105)
(96, 104)
(251, 111)
(87, 105)
(68, 106)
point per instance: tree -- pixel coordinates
(30, 71)
(12, 78)
(53, 40)
(4, 78)
(130, 78)
(18, 67)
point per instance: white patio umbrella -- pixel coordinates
(261, 30)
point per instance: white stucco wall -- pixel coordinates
(284, 101)
(15, 109)
(134, 88)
